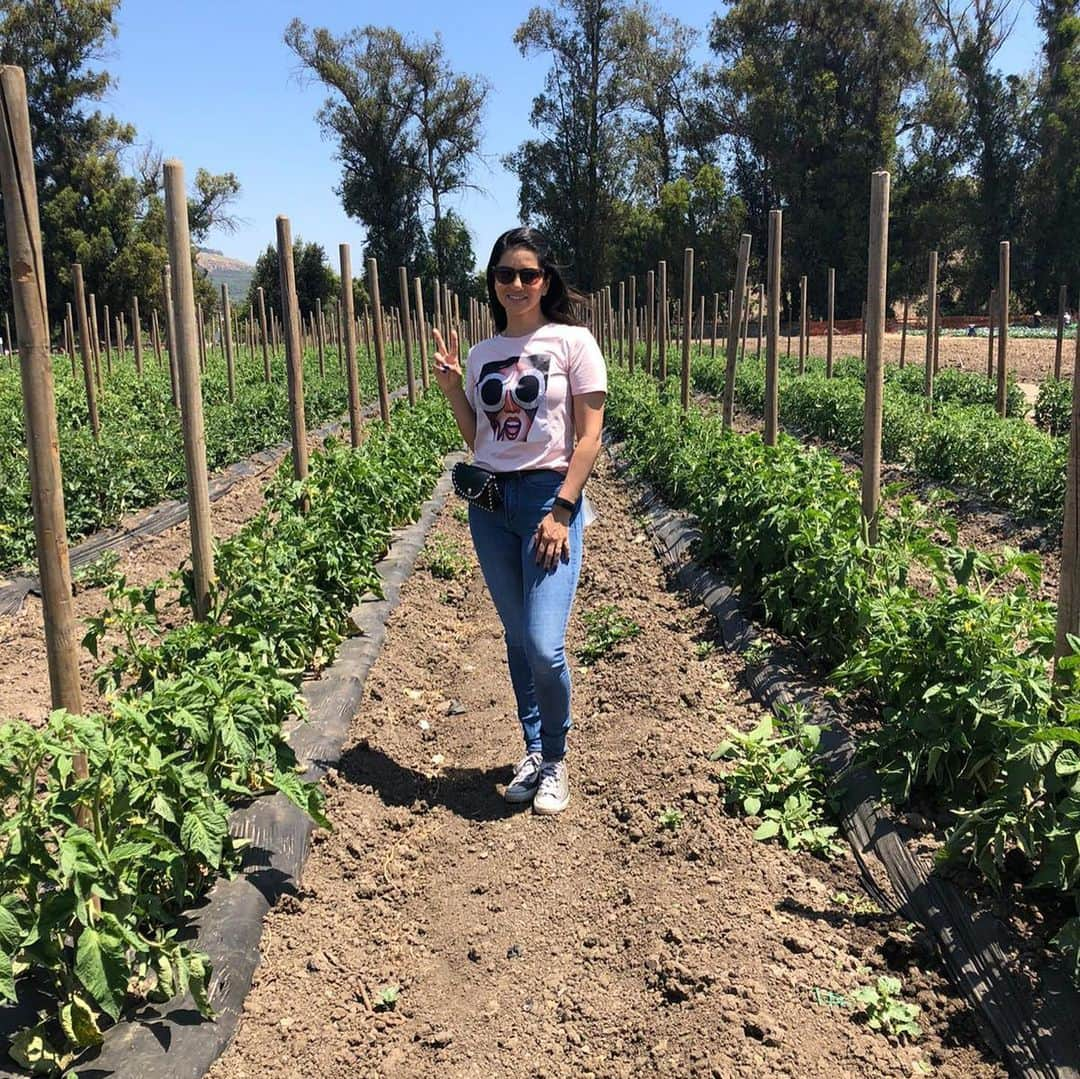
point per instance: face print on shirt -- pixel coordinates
(511, 392)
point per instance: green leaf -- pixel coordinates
(79, 1023)
(30, 1049)
(751, 805)
(101, 966)
(767, 830)
(7, 977)
(11, 933)
(204, 831)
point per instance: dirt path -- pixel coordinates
(595, 944)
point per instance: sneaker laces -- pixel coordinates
(526, 768)
(549, 777)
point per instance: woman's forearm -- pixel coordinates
(464, 415)
(581, 465)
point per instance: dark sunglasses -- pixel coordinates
(506, 275)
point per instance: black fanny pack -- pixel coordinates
(477, 485)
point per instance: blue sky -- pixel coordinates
(213, 85)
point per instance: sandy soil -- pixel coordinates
(595, 944)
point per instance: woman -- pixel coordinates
(531, 407)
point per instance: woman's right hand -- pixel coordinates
(447, 365)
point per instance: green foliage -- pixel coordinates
(882, 1009)
(443, 558)
(606, 627)
(670, 819)
(952, 646)
(94, 872)
(969, 446)
(139, 460)
(774, 777)
(99, 573)
(388, 997)
(1053, 406)
(315, 280)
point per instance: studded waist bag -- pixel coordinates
(477, 485)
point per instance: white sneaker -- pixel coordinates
(526, 777)
(553, 790)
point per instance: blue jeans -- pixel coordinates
(533, 603)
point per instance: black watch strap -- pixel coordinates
(565, 503)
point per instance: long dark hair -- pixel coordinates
(557, 303)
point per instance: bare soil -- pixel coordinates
(598, 943)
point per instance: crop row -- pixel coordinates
(94, 871)
(949, 643)
(967, 445)
(140, 460)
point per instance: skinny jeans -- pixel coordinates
(533, 603)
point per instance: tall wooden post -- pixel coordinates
(688, 316)
(85, 347)
(1063, 297)
(108, 338)
(9, 345)
(662, 322)
(772, 345)
(95, 338)
(200, 332)
(650, 318)
(406, 332)
(27, 266)
(633, 322)
(170, 334)
(931, 322)
(701, 325)
(903, 333)
(742, 260)
(622, 323)
(878, 265)
(379, 331)
(832, 323)
(991, 312)
(121, 337)
(187, 361)
(421, 331)
(348, 320)
(802, 325)
(294, 353)
(1003, 325)
(1068, 609)
(230, 359)
(69, 340)
(320, 337)
(937, 336)
(715, 319)
(136, 336)
(264, 334)
(745, 320)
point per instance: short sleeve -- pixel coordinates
(470, 382)
(588, 372)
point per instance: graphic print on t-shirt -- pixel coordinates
(511, 392)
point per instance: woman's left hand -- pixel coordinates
(552, 542)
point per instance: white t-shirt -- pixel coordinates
(522, 390)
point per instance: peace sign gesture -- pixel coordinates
(447, 365)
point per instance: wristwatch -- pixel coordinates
(565, 504)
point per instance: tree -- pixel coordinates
(315, 280)
(992, 131)
(573, 176)
(402, 123)
(813, 97)
(1050, 252)
(458, 272)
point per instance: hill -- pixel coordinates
(223, 270)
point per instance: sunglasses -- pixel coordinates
(494, 390)
(506, 275)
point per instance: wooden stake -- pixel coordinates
(23, 242)
(701, 325)
(878, 265)
(662, 327)
(931, 322)
(802, 325)
(320, 337)
(378, 332)
(688, 314)
(155, 336)
(1003, 325)
(745, 307)
(187, 361)
(1068, 608)
(633, 322)
(832, 323)
(991, 311)
(650, 315)
(86, 348)
(715, 319)
(294, 353)
(95, 338)
(264, 334)
(170, 334)
(622, 322)
(348, 319)
(903, 334)
(230, 359)
(406, 332)
(1063, 296)
(108, 339)
(421, 331)
(136, 331)
(742, 260)
(200, 327)
(69, 340)
(772, 346)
